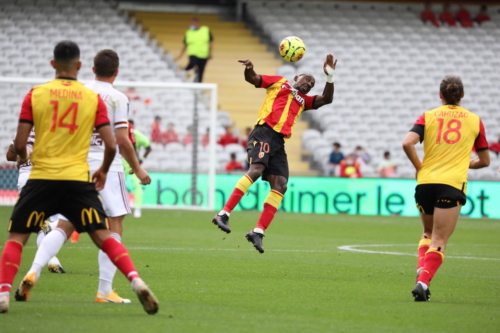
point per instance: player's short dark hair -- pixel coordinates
(387, 153)
(66, 51)
(106, 63)
(306, 74)
(131, 121)
(233, 155)
(452, 89)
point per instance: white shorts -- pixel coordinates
(114, 195)
(22, 179)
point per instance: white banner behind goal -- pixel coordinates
(190, 107)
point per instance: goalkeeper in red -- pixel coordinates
(282, 107)
(449, 133)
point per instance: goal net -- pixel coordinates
(179, 119)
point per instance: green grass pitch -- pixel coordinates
(208, 281)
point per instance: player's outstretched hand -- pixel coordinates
(329, 62)
(99, 179)
(247, 63)
(143, 176)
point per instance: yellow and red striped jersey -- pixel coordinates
(64, 114)
(283, 104)
(449, 133)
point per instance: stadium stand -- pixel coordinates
(390, 67)
(29, 30)
(389, 70)
(232, 41)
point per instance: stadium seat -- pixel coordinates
(390, 67)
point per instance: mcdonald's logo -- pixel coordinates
(39, 218)
(89, 214)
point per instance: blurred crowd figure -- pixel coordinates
(350, 167)
(346, 166)
(387, 167)
(446, 17)
(244, 138)
(335, 158)
(156, 131)
(228, 137)
(361, 155)
(233, 164)
(170, 135)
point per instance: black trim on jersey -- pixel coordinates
(314, 100)
(419, 129)
(260, 82)
(26, 121)
(482, 149)
(101, 125)
(65, 78)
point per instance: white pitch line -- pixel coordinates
(354, 248)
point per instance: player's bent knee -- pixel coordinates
(66, 226)
(18, 237)
(99, 236)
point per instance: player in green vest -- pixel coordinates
(140, 141)
(198, 42)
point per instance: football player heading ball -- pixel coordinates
(284, 103)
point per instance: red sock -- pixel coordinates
(433, 260)
(423, 246)
(241, 188)
(9, 264)
(271, 205)
(120, 257)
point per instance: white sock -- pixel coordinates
(423, 285)
(107, 270)
(135, 281)
(258, 231)
(53, 225)
(222, 212)
(48, 248)
(54, 261)
(39, 238)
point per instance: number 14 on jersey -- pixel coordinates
(71, 110)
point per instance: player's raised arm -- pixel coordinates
(250, 75)
(329, 69)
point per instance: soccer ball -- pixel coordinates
(292, 49)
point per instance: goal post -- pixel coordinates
(195, 100)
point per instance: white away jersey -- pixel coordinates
(117, 105)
